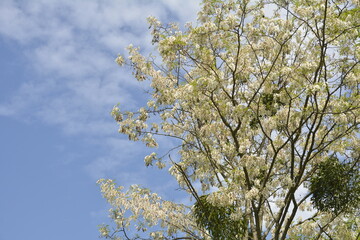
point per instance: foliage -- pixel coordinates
(261, 98)
(336, 186)
(220, 221)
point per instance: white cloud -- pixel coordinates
(73, 43)
(70, 45)
(15, 23)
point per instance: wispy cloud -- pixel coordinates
(70, 45)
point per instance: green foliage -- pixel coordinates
(218, 221)
(271, 104)
(268, 101)
(336, 186)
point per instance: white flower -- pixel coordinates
(120, 60)
(253, 193)
(149, 159)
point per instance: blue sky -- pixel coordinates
(58, 84)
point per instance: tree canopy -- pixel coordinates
(262, 98)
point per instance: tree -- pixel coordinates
(263, 99)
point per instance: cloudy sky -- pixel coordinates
(58, 84)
